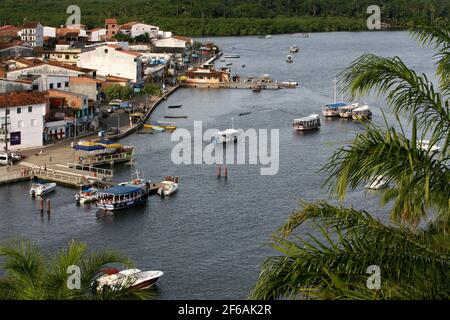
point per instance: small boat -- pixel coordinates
(268, 36)
(377, 183)
(310, 122)
(289, 59)
(425, 146)
(122, 197)
(167, 125)
(362, 113)
(154, 127)
(303, 35)
(243, 66)
(232, 56)
(244, 113)
(131, 278)
(332, 110)
(39, 189)
(229, 64)
(294, 49)
(168, 188)
(347, 111)
(175, 117)
(226, 136)
(137, 181)
(256, 88)
(88, 195)
(175, 106)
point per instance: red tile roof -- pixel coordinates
(110, 21)
(30, 25)
(17, 99)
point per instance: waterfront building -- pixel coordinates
(111, 28)
(33, 34)
(207, 76)
(113, 60)
(179, 47)
(24, 113)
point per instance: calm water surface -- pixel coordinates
(210, 238)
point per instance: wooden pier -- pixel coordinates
(108, 159)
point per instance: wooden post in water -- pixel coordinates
(42, 205)
(225, 173)
(48, 206)
(219, 171)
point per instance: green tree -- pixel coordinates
(414, 257)
(152, 89)
(31, 275)
(122, 37)
(117, 91)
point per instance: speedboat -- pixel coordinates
(42, 188)
(377, 183)
(332, 110)
(310, 122)
(167, 188)
(294, 49)
(126, 279)
(347, 111)
(225, 136)
(362, 113)
(425, 146)
(87, 195)
(289, 59)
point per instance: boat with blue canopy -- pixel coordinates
(332, 109)
(122, 197)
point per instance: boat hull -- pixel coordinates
(298, 128)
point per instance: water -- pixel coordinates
(211, 236)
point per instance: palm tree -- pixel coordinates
(414, 258)
(31, 275)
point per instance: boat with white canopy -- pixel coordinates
(310, 122)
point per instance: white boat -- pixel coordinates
(307, 123)
(131, 278)
(362, 113)
(232, 56)
(425, 146)
(347, 111)
(294, 49)
(268, 36)
(42, 188)
(168, 188)
(137, 181)
(226, 136)
(289, 59)
(87, 195)
(377, 183)
(332, 110)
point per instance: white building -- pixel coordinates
(97, 34)
(33, 33)
(25, 112)
(113, 60)
(53, 75)
(50, 32)
(135, 29)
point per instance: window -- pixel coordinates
(59, 85)
(30, 109)
(67, 57)
(33, 122)
(19, 110)
(20, 124)
(7, 112)
(106, 50)
(51, 85)
(66, 84)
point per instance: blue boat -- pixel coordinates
(122, 197)
(332, 110)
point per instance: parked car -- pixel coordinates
(5, 159)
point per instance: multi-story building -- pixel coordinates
(24, 113)
(33, 34)
(111, 28)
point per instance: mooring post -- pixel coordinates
(42, 205)
(219, 171)
(225, 173)
(48, 206)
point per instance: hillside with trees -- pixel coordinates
(230, 17)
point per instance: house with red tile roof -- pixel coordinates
(112, 28)
(33, 33)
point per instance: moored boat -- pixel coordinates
(332, 110)
(347, 111)
(362, 113)
(86, 195)
(130, 278)
(168, 188)
(289, 59)
(310, 122)
(294, 49)
(122, 197)
(232, 56)
(225, 136)
(42, 188)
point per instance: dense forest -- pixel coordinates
(230, 17)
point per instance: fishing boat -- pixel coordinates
(168, 188)
(377, 183)
(126, 279)
(175, 117)
(294, 49)
(310, 122)
(362, 113)
(226, 136)
(168, 125)
(289, 59)
(244, 113)
(122, 197)
(39, 189)
(154, 127)
(332, 110)
(425, 146)
(232, 56)
(176, 106)
(347, 111)
(87, 195)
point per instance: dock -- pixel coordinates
(107, 159)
